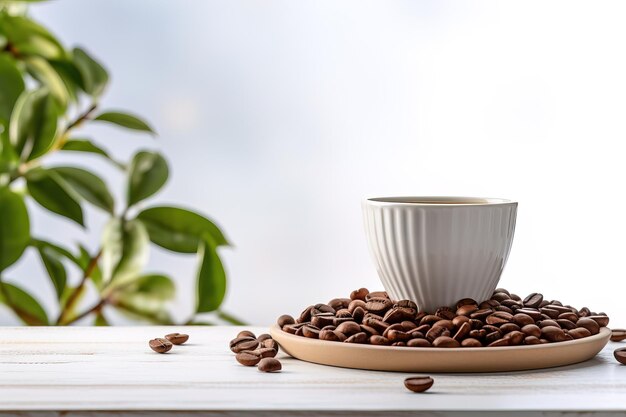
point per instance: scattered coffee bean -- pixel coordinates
(262, 337)
(160, 345)
(504, 320)
(242, 343)
(269, 365)
(246, 333)
(617, 335)
(418, 383)
(265, 352)
(620, 355)
(177, 338)
(270, 343)
(248, 358)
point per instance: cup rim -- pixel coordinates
(438, 201)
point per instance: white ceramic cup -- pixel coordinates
(438, 250)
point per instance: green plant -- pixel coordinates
(46, 94)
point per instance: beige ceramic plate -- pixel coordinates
(403, 359)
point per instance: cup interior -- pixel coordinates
(443, 201)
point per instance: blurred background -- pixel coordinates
(279, 117)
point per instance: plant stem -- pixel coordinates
(84, 314)
(71, 300)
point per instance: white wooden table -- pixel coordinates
(82, 371)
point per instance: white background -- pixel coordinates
(279, 117)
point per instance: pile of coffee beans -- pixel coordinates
(256, 351)
(164, 344)
(504, 320)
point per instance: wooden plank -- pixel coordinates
(112, 369)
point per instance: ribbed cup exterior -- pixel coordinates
(436, 255)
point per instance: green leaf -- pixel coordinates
(124, 251)
(30, 38)
(47, 75)
(51, 192)
(33, 124)
(60, 251)
(83, 145)
(179, 230)
(52, 262)
(94, 76)
(70, 75)
(14, 227)
(126, 120)
(28, 309)
(148, 295)
(11, 85)
(211, 281)
(148, 173)
(88, 186)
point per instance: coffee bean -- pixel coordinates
(284, 320)
(548, 322)
(459, 320)
(429, 319)
(444, 323)
(240, 344)
(445, 342)
(553, 314)
(471, 342)
(434, 333)
(553, 334)
(398, 336)
(377, 324)
(500, 296)
(330, 335)
(349, 328)
(418, 383)
(465, 302)
(305, 316)
(522, 319)
(466, 310)
(376, 294)
(488, 304)
(533, 300)
(584, 312)
(617, 335)
(398, 314)
(589, 324)
(502, 290)
(445, 313)
(602, 321)
(370, 331)
(481, 314)
(322, 308)
(408, 325)
(566, 324)
(311, 332)
(359, 294)
(246, 333)
(478, 333)
(493, 336)
(531, 340)
(321, 320)
(358, 313)
(265, 352)
(343, 313)
(379, 340)
(160, 345)
(270, 343)
(269, 365)
(515, 337)
(360, 337)
(509, 327)
(534, 314)
(531, 330)
(498, 318)
(620, 355)
(263, 337)
(498, 343)
(248, 358)
(568, 316)
(462, 332)
(504, 309)
(418, 343)
(292, 328)
(579, 333)
(339, 303)
(177, 338)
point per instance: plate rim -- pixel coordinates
(604, 333)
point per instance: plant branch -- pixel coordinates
(71, 300)
(84, 314)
